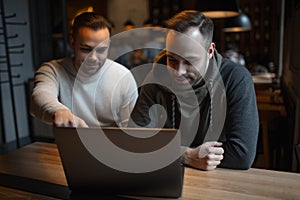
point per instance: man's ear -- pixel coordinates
(211, 50)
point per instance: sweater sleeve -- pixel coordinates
(240, 132)
(130, 94)
(44, 99)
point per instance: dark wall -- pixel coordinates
(41, 17)
(291, 73)
(291, 58)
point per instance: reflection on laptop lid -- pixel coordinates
(127, 161)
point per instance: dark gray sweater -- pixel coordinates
(238, 130)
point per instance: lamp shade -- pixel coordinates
(239, 23)
(218, 8)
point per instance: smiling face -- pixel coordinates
(90, 49)
(187, 56)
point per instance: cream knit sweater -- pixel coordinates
(104, 99)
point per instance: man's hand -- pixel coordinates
(65, 118)
(206, 156)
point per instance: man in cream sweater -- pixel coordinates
(87, 89)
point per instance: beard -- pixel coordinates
(89, 68)
(185, 81)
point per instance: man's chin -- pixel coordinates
(183, 84)
(89, 71)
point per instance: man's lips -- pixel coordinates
(181, 79)
(90, 65)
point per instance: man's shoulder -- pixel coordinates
(59, 67)
(235, 77)
(233, 70)
(58, 63)
(114, 71)
(115, 66)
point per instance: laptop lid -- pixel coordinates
(127, 161)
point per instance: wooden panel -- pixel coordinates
(9, 193)
(40, 161)
(240, 184)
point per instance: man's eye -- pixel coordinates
(101, 50)
(187, 62)
(85, 50)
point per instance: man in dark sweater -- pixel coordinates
(210, 99)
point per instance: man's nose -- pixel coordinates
(93, 55)
(181, 68)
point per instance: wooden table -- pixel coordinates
(40, 163)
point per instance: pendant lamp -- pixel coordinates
(239, 23)
(218, 8)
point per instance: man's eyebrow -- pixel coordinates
(86, 46)
(101, 47)
(191, 58)
(186, 58)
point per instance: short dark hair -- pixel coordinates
(192, 18)
(91, 20)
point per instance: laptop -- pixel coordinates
(121, 161)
